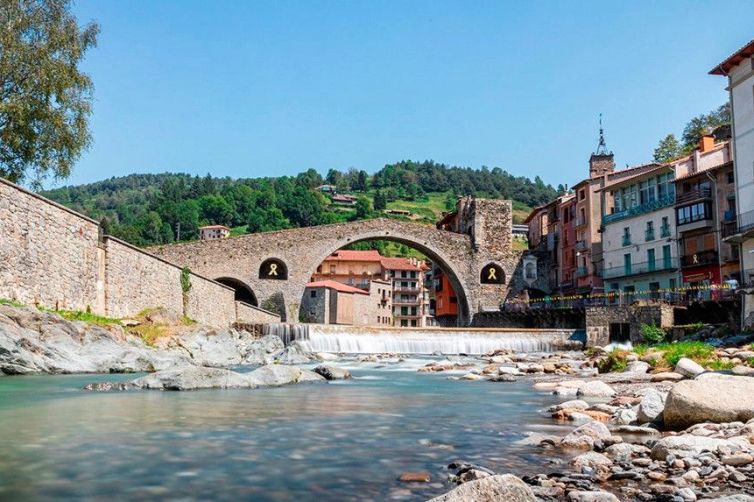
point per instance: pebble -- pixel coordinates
(416, 477)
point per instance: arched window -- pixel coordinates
(492, 274)
(273, 269)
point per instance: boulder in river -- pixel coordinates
(689, 445)
(688, 367)
(193, 378)
(651, 406)
(490, 489)
(583, 437)
(709, 398)
(274, 375)
(332, 372)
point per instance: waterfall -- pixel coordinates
(364, 340)
(287, 332)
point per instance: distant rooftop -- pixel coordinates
(343, 288)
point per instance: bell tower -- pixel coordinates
(601, 162)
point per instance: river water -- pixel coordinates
(339, 441)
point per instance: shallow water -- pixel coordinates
(341, 441)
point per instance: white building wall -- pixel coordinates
(742, 102)
(614, 250)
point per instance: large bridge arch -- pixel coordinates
(301, 250)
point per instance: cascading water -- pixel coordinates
(287, 332)
(365, 340)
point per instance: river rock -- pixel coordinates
(491, 489)
(638, 367)
(595, 496)
(688, 367)
(223, 348)
(193, 378)
(591, 460)
(651, 406)
(596, 388)
(575, 404)
(293, 354)
(623, 451)
(502, 378)
(326, 356)
(624, 416)
(273, 375)
(687, 445)
(743, 371)
(714, 398)
(332, 372)
(583, 437)
(666, 376)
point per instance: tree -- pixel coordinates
(363, 208)
(361, 181)
(668, 150)
(45, 101)
(380, 202)
(704, 124)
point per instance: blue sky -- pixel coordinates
(245, 89)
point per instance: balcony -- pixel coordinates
(582, 272)
(649, 235)
(647, 207)
(740, 229)
(626, 239)
(580, 222)
(415, 301)
(406, 289)
(408, 316)
(699, 259)
(693, 196)
(581, 246)
(646, 267)
(664, 231)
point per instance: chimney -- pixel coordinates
(706, 143)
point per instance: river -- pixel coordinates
(348, 440)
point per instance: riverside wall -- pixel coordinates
(56, 258)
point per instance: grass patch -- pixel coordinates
(150, 333)
(641, 349)
(87, 317)
(614, 362)
(750, 361)
(718, 365)
(11, 303)
(671, 353)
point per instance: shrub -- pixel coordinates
(652, 334)
(614, 362)
(698, 351)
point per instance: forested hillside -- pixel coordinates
(158, 208)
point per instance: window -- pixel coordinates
(649, 233)
(627, 264)
(626, 236)
(694, 212)
(665, 228)
(313, 293)
(582, 194)
(651, 260)
(730, 177)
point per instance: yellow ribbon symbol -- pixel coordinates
(491, 274)
(273, 269)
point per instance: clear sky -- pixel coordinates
(266, 88)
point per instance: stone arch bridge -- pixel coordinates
(295, 254)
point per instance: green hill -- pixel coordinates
(147, 209)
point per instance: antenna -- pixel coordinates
(601, 147)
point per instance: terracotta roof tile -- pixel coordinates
(343, 288)
(355, 255)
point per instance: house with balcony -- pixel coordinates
(638, 235)
(411, 306)
(738, 68)
(568, 244)
(705, 206)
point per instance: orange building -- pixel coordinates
(445, 299)
(354, 268)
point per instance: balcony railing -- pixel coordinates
(416, 301)
(407, 289)
(408, 316)
(647, 207)
(646, 267)
(743, 222)
(626, 239)
(582, 272)
(580, 222)
(649, 235)
(693, 195)
(581, 246)
(665, 231)
(701, 258)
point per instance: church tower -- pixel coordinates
(601, 162)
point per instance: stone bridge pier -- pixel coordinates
(274, 267)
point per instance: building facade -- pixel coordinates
(214, 232)
(639, 239)
(331, 302)
(411, 307)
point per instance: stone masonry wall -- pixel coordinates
(246, 313)
(48, 253)
(54, 257)
(137, 280)
(598, 320)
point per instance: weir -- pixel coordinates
(367, 340)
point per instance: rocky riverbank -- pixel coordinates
(34, 341)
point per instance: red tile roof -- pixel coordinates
(213, 227)
(402, 264)
(352, 255)
(343, 288)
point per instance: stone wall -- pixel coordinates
(137, 281)
(250, 314)
(54, 257)
(48, 253)
(599, 319)
(531, 319)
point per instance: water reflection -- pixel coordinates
(347, 441)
